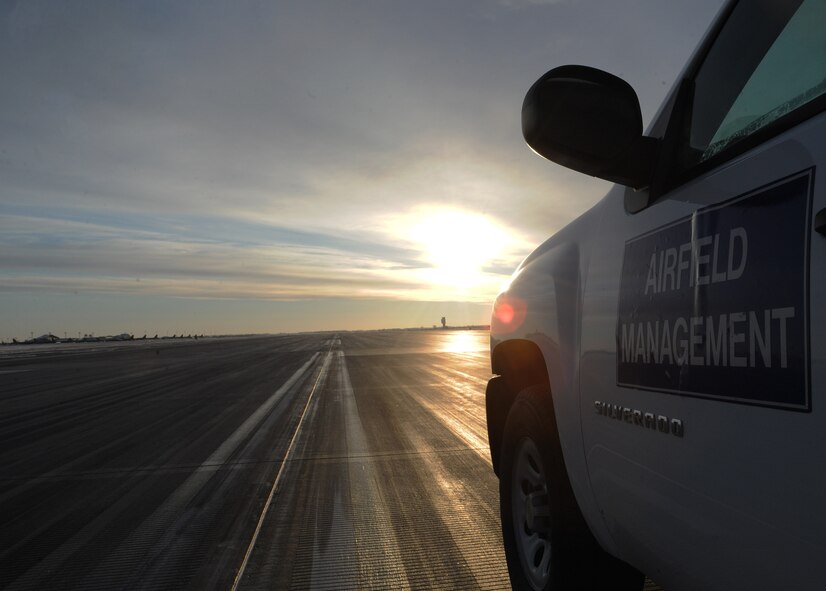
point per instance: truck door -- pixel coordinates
(702, 365)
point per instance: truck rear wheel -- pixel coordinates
(548, 545)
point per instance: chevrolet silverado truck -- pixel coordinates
(660, 363)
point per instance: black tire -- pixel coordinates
(548, 545)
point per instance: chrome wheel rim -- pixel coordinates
(530, 509)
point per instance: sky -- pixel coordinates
(255, 167)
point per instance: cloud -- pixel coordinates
(279, 150)
(69, 255)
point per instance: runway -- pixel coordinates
(322, 461)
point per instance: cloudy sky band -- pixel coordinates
(289, 152)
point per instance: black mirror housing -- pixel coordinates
(590, 121)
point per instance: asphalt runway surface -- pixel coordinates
(322, 461)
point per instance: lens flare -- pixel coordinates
(508, 313)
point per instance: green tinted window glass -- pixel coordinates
(792, 73)
(769, 59)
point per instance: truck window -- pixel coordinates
(768, 61)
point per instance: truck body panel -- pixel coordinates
(685, 348)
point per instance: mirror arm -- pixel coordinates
(635, 167)
(676, 129)
(639, 163)
(666, 157)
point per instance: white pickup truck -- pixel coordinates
(658, 405)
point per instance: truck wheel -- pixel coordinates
(548, 545)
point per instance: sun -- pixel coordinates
(458, 245)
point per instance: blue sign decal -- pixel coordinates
(716, 305)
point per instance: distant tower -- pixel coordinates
(444, 322)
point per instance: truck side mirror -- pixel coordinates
(590, 121)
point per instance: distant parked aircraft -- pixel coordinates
(121, 337)
(44, 338)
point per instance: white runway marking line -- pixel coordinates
(380, 557)
(290, 447)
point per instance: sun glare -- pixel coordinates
(466, 342)
(458, 245)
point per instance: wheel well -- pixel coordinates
(519, 364)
